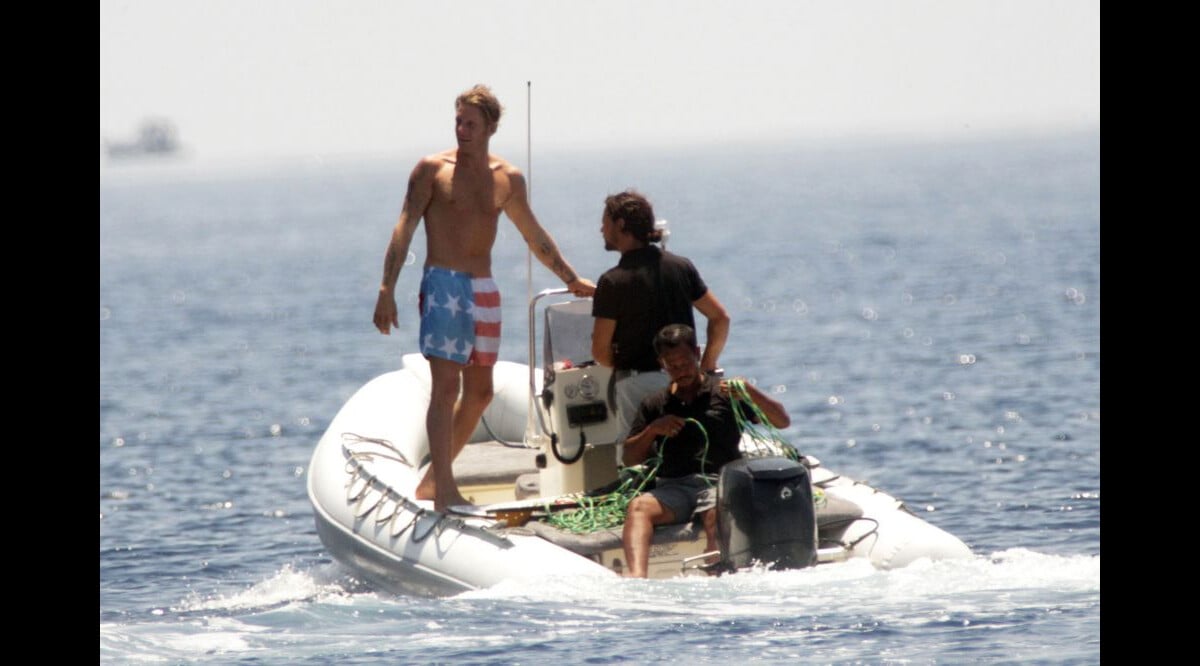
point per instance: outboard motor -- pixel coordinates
(765, 513)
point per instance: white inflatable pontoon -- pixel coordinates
(534, 452)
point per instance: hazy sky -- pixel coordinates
(313, 78)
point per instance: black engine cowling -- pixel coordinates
(765, 514)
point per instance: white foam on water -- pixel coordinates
(285, 586)
(170, 642)
(970, 583)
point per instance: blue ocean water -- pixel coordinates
(928, 311)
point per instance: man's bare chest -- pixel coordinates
(472, 193)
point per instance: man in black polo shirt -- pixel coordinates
(648, 289)
(691, 425)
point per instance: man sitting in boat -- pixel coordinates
(691, 425)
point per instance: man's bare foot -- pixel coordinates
(454, 498)
(426, 489)
(713, 566)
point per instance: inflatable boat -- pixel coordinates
(546, 448)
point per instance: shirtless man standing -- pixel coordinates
(460, 192)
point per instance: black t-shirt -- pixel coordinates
(647, 289)
(683, 453)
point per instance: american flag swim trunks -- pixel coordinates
(460, 317)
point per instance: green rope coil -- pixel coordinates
(766, 438)
(604, 511)
(609, 510)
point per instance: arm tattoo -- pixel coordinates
(412, 185)
(556, 265)
(564, 272)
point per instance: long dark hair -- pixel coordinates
(637, 212)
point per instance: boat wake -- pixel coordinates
(1007, 574)
(1012, 574)
(325, 614)
(327, 583)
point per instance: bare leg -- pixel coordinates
(644, 513)
(477, 394)
(453, 426)
(710, 534)
(439, 425)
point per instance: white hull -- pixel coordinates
(363, 472)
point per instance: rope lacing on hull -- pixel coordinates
(349, 438)
(361, 482)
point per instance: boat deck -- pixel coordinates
(487, 471)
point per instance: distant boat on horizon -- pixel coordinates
(156, 137)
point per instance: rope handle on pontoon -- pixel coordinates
(354, 438)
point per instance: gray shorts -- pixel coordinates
(686, 496)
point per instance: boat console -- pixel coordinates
(574, 420)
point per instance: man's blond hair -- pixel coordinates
(481, 97)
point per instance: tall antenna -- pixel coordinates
(531, 405)
(529, 183)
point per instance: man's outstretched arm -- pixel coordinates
(539, 240)
(717, 331)
(416, 200)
